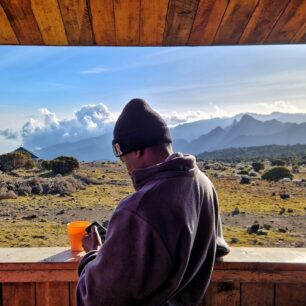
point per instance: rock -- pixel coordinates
(284, 196)
(236, 211)
(253, 228)
(299, 244)
(282, 210)
(245, 180)
(61, 212)
(234, 240)
(283, 230)
(262, 232)
(29, 217)
(285, 180)
(254, 241)
(266, 226)
(290, 210)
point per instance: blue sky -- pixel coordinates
(44, 87)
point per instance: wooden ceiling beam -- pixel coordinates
(179, 21)
(153, 22)
(23, 21)
(103, 21)
(49, 20)
(77, 22)
(262, 21)
(7, 34)
(127, 22)
(289, 24)
(207, 21)
(235, 20)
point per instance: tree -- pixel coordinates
(278, 162)
(257, 166)
(15, 160)
(63, 165)
(277, 173)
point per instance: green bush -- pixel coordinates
(63, 165)
(257, 166)
(45, 164)
(15, 160)
(277, 173)
(278, 162)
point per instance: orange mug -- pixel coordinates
(76, 232)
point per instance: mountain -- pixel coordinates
(193, 130)
(90, 149)
(245, 133)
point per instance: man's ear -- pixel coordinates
(139, 153)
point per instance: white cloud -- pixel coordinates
(176, 118)
(278, 106)
(95, 70)
(47, 129)
(9, 134)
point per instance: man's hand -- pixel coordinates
(92, 241)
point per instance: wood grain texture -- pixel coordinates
(257, 294)
(7, 35)
(127, 20)
(235, 20)
(23, 21)
(153, 21)
(179, 22)
(103, 22)
(290, 22)
(77, 23)
(50, 294)
(222, 294)
(262, 21)
(49, 20)
(207, 21)
(22, 294)
(290, 294)
(72, 292)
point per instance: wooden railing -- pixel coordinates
(248, 276)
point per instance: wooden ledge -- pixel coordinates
(244, 264)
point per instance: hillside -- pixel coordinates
(254, 153)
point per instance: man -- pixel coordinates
(161, 241)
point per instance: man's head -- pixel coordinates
(141, 136)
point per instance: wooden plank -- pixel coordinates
(49, 20)
(103, 22)
(290, 22)
(127, 20)
(300, 36)
(262, 21)
(290, 294)
(180, 18)
(38, 276)
(207, 21)
(77, 22)
(222, 294)
(236, 18)
(7, 35)
(23, 21)
(153, 21)
(18, 294)
(260, 276)
(50, 294)
(257, 294)
(72, 291)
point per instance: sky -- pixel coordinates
(58, 94)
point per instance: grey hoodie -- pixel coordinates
(161, 241)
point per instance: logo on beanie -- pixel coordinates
(117, 149)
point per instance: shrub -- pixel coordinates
(243, 172)
(257, 166)
(45, 164)
(277, 173)
(15, 160)
(8, 195)
(278, 162)
(64, 165)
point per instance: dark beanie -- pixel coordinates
(139, 127)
